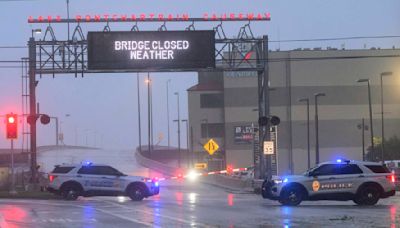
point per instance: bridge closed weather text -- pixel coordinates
(152, 50)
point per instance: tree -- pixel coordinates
(392, 150)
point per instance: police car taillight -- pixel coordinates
(147, 179)
(391, 178)
(52, 177)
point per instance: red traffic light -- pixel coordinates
(11, 119)
(12, 126)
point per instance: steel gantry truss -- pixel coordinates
(245, 52)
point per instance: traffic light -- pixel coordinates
(12, 126)
(272, 120)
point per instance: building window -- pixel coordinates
(213, 100)
(212, 130)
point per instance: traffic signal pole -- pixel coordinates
(12, 189)
(32, 106)
(263, 163)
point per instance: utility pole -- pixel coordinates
(32, 106)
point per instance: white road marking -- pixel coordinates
(191, 223)
(80, 206)
(188, 222)
(127, 218)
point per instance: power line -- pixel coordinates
(333, 39)
(289, 41)
(271, 60)
(15, 47)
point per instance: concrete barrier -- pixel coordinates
(157, 166)
(223, 181)
(229, 182)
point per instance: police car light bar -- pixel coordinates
(87, 163)
(340, 160)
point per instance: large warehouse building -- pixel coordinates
(223, 106)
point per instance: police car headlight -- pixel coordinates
(280, 181)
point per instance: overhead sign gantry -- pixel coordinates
(168, 50)
(109, 51)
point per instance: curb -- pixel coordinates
(3, 223)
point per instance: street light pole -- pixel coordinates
(139, 121)
(187, 143)
(148, 81)
(363, 139)
(57, 131)
(179, 132)
(168, 135)
(308, 130)
(370, 116)
(151, 115)
(383, 125)
(316, 127)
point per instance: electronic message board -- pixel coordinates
(150, 50)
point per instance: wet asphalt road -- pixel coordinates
(186, 204)
(183, 204)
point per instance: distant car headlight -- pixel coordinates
(192, 175)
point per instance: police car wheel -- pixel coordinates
(70, 192)
(136, 193)
(367, 196)
(291, 197)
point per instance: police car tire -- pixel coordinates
(367, 196)
(70, 191)
(287, 193)
(136, 192)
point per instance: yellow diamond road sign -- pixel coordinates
(211, 146)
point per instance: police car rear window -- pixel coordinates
(62, 169)
(378, 168)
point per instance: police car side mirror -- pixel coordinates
(119, 174)
(314, 174)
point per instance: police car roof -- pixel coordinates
(344, 161)
(80, 164)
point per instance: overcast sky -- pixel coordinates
(104, 106)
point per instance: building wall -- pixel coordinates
(333, 72)
(199, 116)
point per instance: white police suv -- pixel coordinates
(87, 179)
(363, 182)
